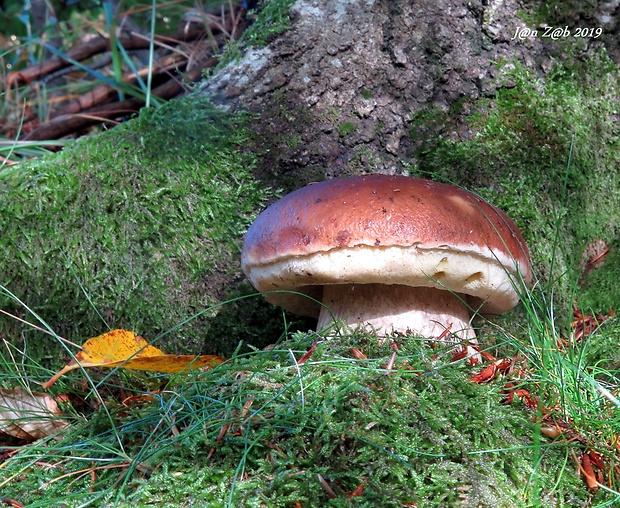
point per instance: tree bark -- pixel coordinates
(336, 94)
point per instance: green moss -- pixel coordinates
(601, 351)
(367, 94)
(131, 209)
(331, 114)
(135, 228)
(270, 19)
(557, 14)
(346, 128)
(600, 290)
(421, 433)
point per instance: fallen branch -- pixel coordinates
(64, 125)
(180, 59)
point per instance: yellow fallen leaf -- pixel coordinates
(29, 415)
(125, 349)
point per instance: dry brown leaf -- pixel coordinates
(29, 415)
(588, 472)
(123, 348)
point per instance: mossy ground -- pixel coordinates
(140, 227)
(420, 433)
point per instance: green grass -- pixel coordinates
(546, 153)
(421, 433)
(27, 45)
(14, 151)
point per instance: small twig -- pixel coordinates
(596, 259)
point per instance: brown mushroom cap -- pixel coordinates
(387, 230)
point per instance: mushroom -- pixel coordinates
(400, 254)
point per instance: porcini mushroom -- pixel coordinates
(400, 254)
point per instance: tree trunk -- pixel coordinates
(337, 93)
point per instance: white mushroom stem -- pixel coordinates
(426, 312)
